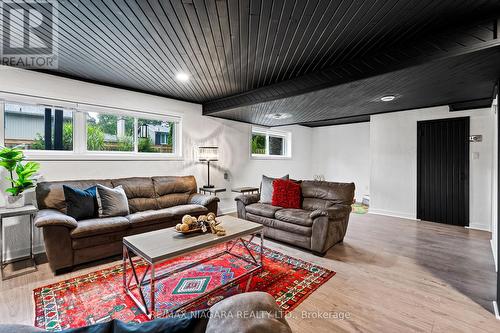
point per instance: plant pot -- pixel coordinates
(15, 201)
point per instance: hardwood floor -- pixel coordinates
(393, 275)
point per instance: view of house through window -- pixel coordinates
(108, 132)
(155, 136)
(269, 143)
(38, 127)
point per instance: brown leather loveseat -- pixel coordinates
(320, 224)
(155, 203)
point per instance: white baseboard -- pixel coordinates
(495, 308)
(392, 214)
(477, 226)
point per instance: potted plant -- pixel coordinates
(12, 160)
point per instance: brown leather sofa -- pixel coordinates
(155, 203)
(319, 225)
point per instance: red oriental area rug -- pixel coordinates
(99, 296)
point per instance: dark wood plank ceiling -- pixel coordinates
(462, 78)
(230, 47)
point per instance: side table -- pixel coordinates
(246, 189)
(212, 190)
(30, 210)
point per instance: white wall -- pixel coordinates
(232, 138)
(342, 153)
(393, 176)
(494, 185)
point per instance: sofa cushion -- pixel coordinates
(140, 193)
(100, 226)
(321, 195)
(295, 216)
(173, 191)
(181, 210)
(281, 225)
(262, 209)
(149, 217)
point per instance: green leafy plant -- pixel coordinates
(12, 160)
(146, 146)
(95, 138)
(125, 144)
(258, 144)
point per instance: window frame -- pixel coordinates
(80, 151)
(267, 132)
(28, 152)
(177, 139)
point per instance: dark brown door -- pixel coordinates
(443, 171)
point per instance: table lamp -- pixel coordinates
(208, 154)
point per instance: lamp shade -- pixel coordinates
(208, 153)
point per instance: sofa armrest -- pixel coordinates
(329, 227)
(57, 228)
(335, 212)
(248, 199)
(202, 199)
(52, 217)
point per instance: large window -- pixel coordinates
(269, 143)
(109, 132)
(38, 127)
(78, 131)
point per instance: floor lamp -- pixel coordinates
(208, 154)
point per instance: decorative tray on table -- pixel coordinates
(203, 223)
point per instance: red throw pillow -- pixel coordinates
(286, 194)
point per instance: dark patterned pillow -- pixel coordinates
(80, 204)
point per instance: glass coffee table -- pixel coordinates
(158, 246)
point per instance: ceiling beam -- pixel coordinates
(473, 104)
(445, 45)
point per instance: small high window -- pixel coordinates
(270, 143)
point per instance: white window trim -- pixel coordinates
(287, 136)
(80, 151)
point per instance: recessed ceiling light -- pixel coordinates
(183, 77)
(279, 115)
(387, 98)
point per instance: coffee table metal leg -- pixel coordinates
(124, 263)
(152, 291)
(261, 248)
